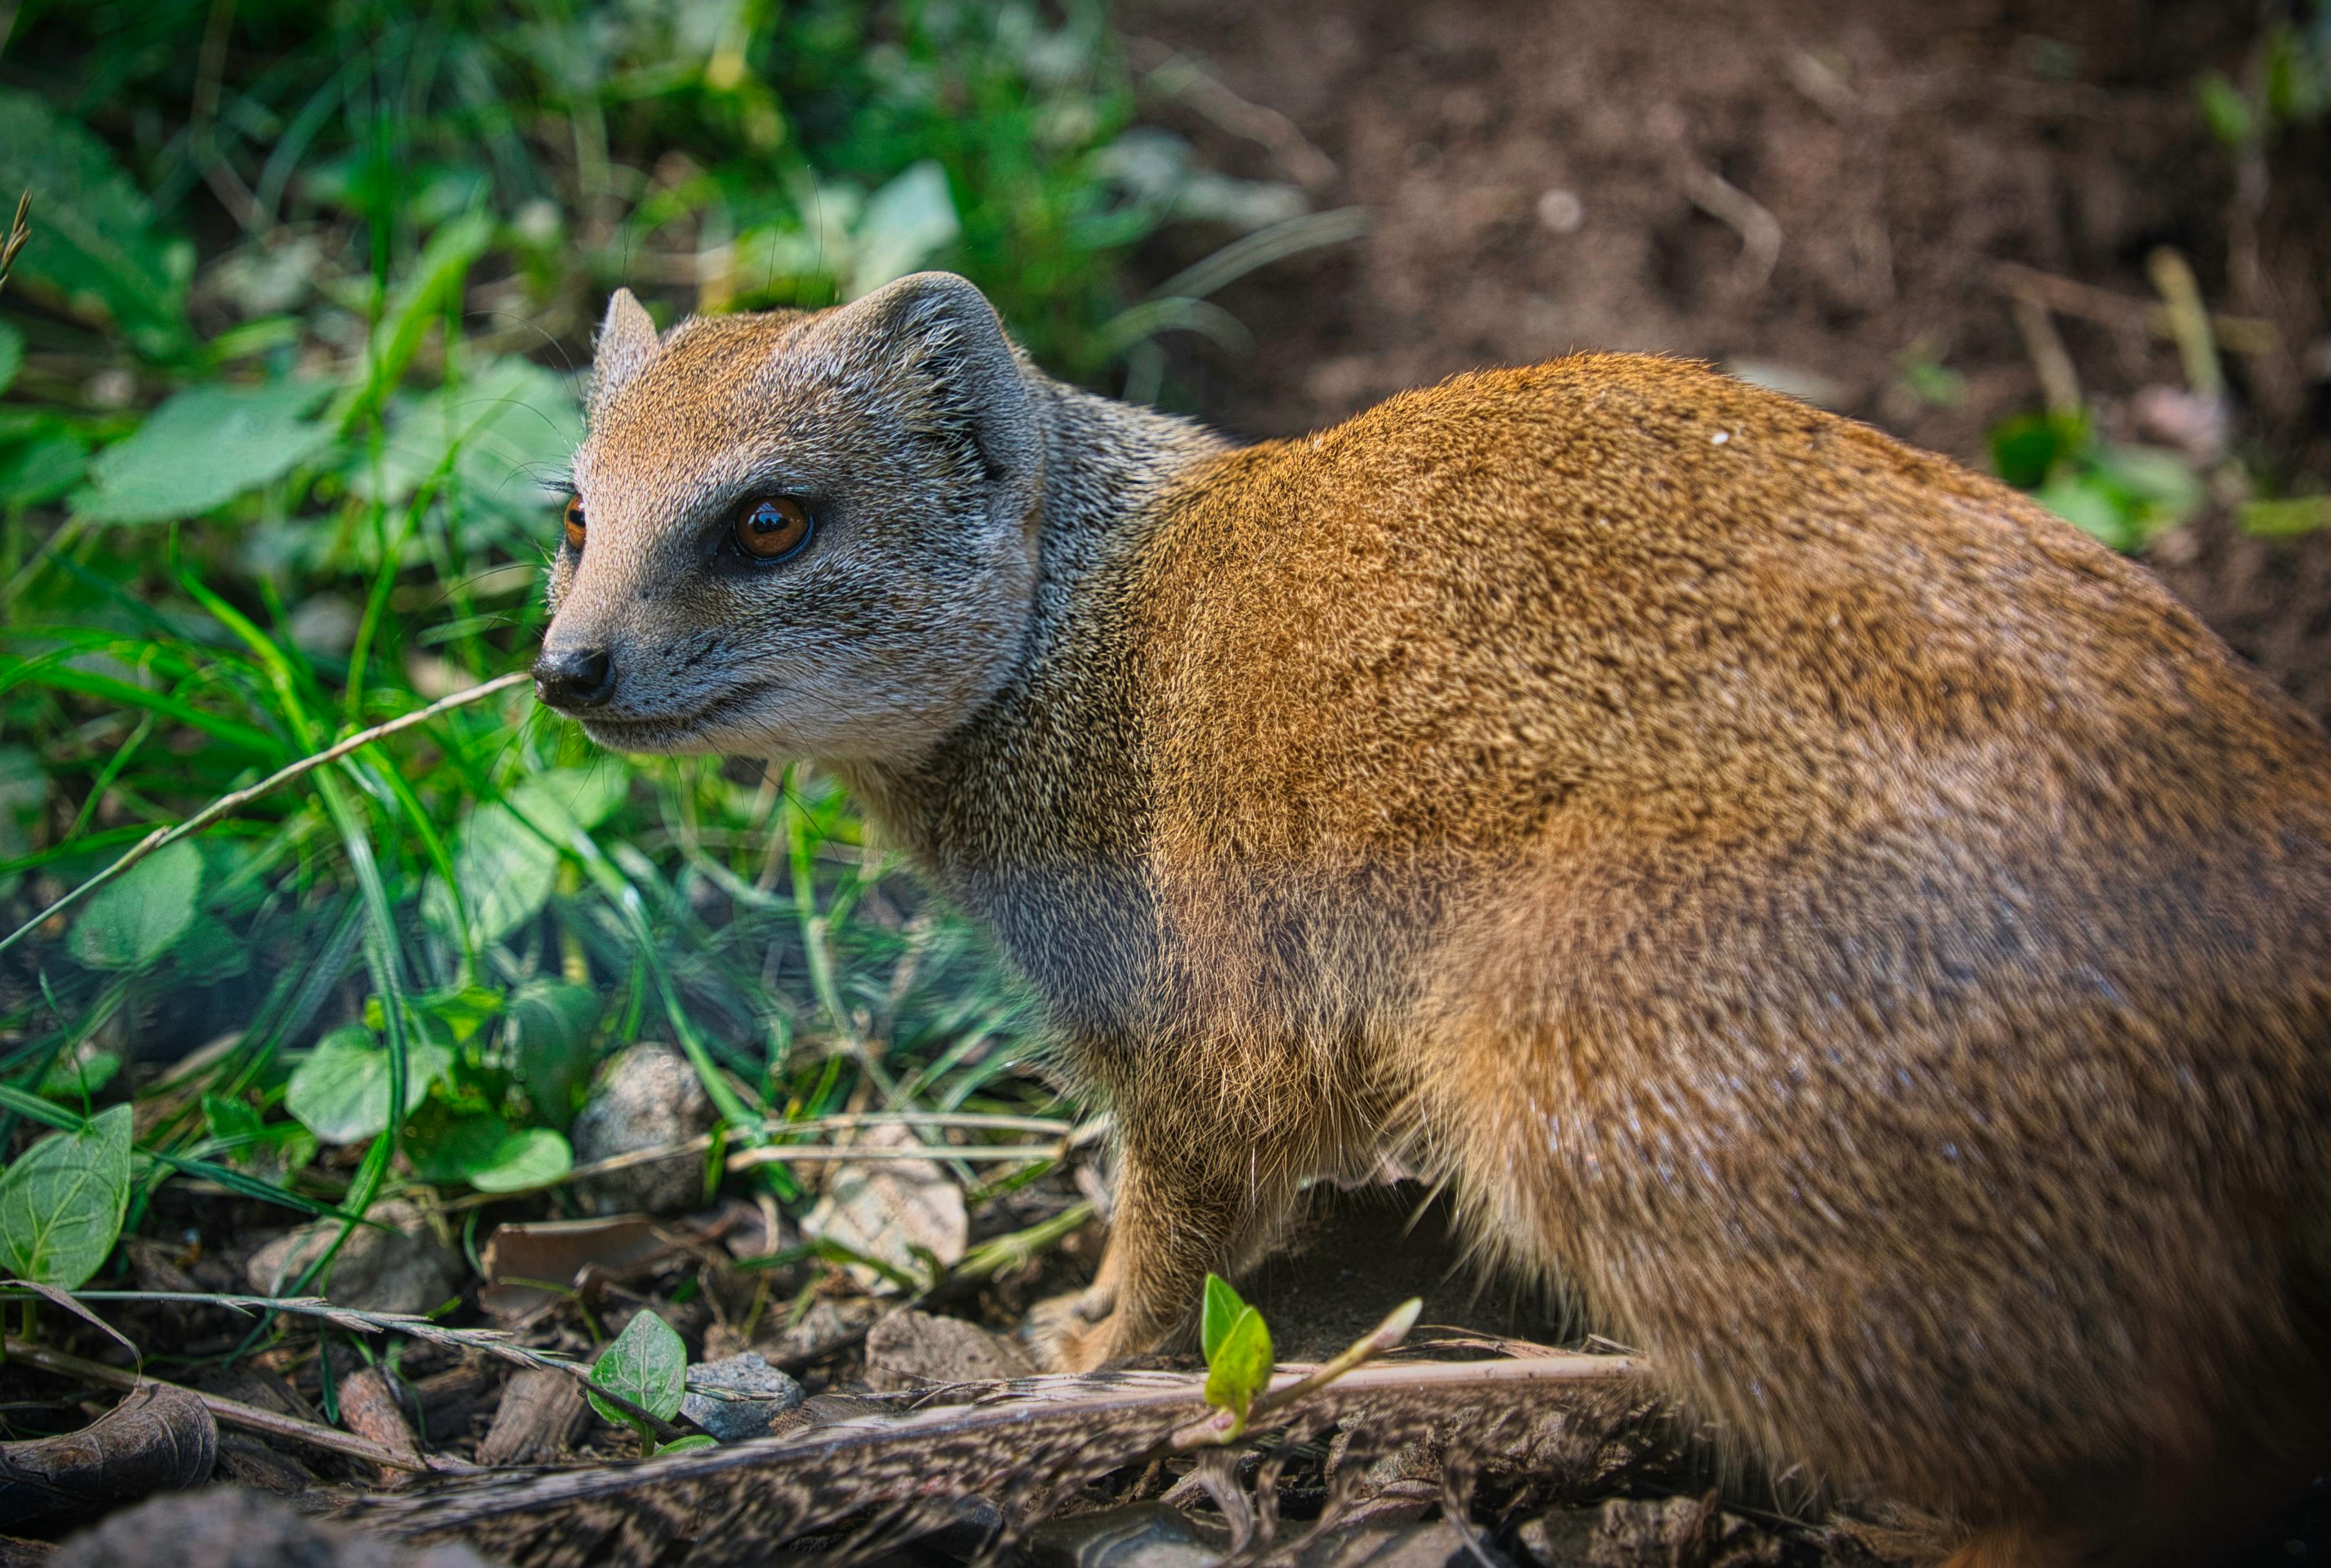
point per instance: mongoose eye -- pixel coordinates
(772, 528)
(574, 524)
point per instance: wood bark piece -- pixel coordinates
(159, 1437)
(530, 1269)
(1025, 1446)
(368, 1408)
(541, 1415)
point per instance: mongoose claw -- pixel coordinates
(1073, 1333)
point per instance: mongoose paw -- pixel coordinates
(1073, 1333)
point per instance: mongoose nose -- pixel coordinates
(574, 677)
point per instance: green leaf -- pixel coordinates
(2026, 449)
(687, 1445)
(34, 1108)
(647, 1365)
(496, 431)
(903, 223)
(1240, 1367)
(507, 860)
(12, 354)
(271, 1149)
(2228, 112)
(133, 919)
(506, 870)
(528, 1158)
(95, 246)
(43, 467)
(551, 1024)
(80, 1075)
(566, 800)
(463, 1010)
(2157, 488)
(2284, 519)
(1223, 1307)
(230, 1119)
(61, 1203)
(2090, 507)
(418, 300)
(485, 1153)
(340, 1093)
(202, 449)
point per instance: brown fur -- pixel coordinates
(1862, 939)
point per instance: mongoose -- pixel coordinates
(1860, 938)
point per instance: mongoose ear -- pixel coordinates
(627, 344)
(934, 339)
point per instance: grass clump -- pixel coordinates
(284, 368)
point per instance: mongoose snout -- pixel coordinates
(1857, 936)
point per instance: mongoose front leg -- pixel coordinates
(1178, 1215)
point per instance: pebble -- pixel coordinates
(769, 1393)
(648, 1098)
(400, 1269)
(916, 1349)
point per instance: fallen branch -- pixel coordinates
(1028, 1442)
(2242, 334)
(1180, 76)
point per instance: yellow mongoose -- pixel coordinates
(1862, 938)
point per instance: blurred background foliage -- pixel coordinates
(287, 363)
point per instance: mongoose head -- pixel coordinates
(799, 533)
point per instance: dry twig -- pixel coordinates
(2242, 333)
(231, 1413)
(19, 233)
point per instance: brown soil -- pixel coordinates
(1543, 178)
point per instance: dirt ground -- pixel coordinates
(1819, 194)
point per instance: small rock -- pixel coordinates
(1405, 1546)
(648, 1098)
(916, 1349)
(1560, 212)
(1145, 1536)
(767, 1394)
(892, 1209)
(1648, 1532)
(824, 1327)
(230, 1527)
(399, 1268)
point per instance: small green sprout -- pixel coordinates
(648, 1366)
(1237, 1343)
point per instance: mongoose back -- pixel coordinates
(1860, 938)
